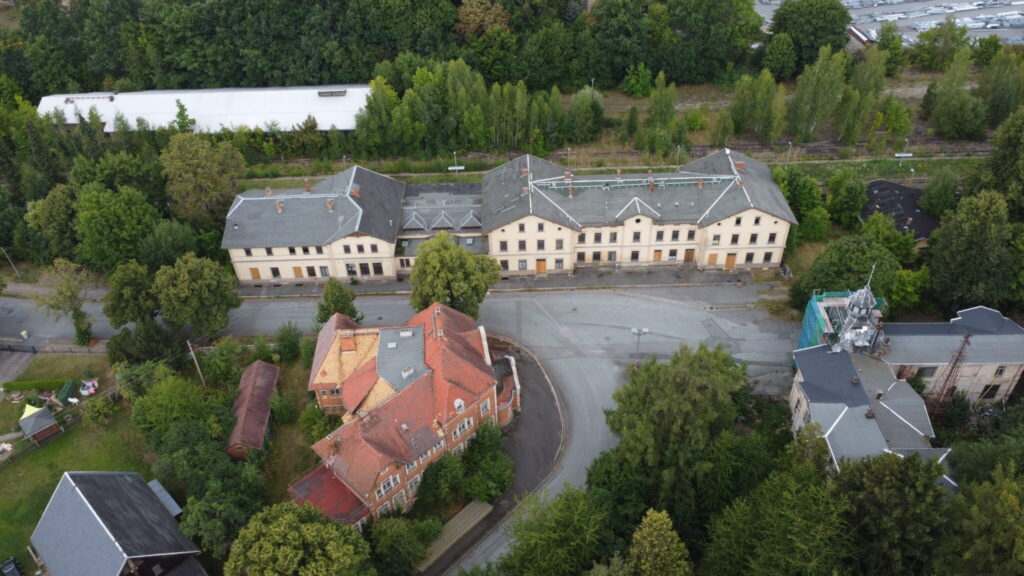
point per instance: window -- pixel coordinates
(716, 239)
(634, 256)
(319, 249)
(559, 265)
(659, 236)
(403, 262)
(458, 450)
(767, 257)
(325, 271)
(1000, 371)
(636, 237)
(581, 239)
(559, 244)
(439, 446)
(387, 485)
(673, 254)
(323, 393)
(414, 484)
(361, 249)
(462, 428)
(734, 240)
(540, 245)
(597, 237)
(581, 257)
(399, 500)
(361, 524)
(373, 248)
(749, 258)
(926, 372)
(522, 227)
(410, 466)
(378, 269)
(350, 269)
(739, 221)
(990, 392)
(460, 405)
(384, 508)
(675, 235)
(691, 234)
(504, 265)
(522, 245)
(347, 249)
(425, 456)
(522, 264)
(364, 269)
(311, 271)
(485, 407)
(275, 273)
(540, 226)
(291, 250)
(270, 251)
(595, 257)
(503, 246)
(753, 239)
(248, 252)
(613, 237)
(771, 238)
(305, 250)
(612, 256)
(757, 220)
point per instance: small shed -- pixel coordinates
(38, 424)
(252, 408)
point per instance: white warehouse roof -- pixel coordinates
(219, 108)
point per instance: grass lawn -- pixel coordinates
(889, 169)
(27, 483)
(288, 454)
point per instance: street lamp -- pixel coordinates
(638, 332)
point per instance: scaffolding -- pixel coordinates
(825, 314)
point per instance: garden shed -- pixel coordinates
(38, 424)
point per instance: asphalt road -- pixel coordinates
(582, 339)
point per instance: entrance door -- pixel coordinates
(254, 273)
(297, 270)
(688, 256)
(730, 260)
(657, 255)
(542, 266)
(712, 259)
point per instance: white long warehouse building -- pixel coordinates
(332, 106)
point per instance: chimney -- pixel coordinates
(307, 185)
(567, 175)
(267, 192)
(570, 189)
(524, 172)
(355, 190)
(279, 206)
(650, 181)
(330, 205)
(700, 184)
(618, 173)
(910, 221)
(741, 166)
(526, 190)
(855, 380)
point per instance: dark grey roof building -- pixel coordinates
(111, 524)
(899, 202)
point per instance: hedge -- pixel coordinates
(52, 384)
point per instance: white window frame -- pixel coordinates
(485, 406)
(439, 446)
(460, 405)
(410, 466)
(414, 484)
(462, 427)
(387, 485)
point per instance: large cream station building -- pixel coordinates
(531, 215)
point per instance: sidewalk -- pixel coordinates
(584, 279)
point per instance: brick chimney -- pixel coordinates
(307, 185)
(700, 184)
(355, 190)
(526, 190)
(330, 205)
(267, 192)
(741, 166)
(570, 189)
(279, 206)
(524, 172)
(567, 175)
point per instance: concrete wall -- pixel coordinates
(311, 262)
(972, 379)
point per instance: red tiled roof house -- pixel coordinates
(252, 408)
(407, 395)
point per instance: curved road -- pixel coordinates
(582, 339)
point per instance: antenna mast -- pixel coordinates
(941, 397)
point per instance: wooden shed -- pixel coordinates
(252, 408)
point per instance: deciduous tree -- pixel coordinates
(53, 219)
(812, 25)
(445, 272)
(64, 299)
(337, 299)
(890, 42)
(990, 527)
(129, 298)
(202, 179)
(882, 228)
(400, 544)
(780, 57)
(110, 225)
(935, 48)
(165, 243)
(818, 91)
(657, 549)
(196, 291)
(846, 198)
(846, 265)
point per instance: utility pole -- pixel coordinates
(16, 273)
(196, 360)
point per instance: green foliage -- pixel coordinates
(586, 115)
(261, 350)
(196, 291)
(287, 342)
(854, 115)
(289, 539)
(846, 265)
(182, 121)
(307, 349)
(815, 225)
(83, 327)
(910, 288)
(282, 410)
(445, 272)
(890, 42)
(619, 486)
(53, 220)
(818, 92)
(110, 225)
(337, 299)
(985, 49)
(135, 380)
(65, 297)
(129, 298)
(758, 107)
(734, 465)
(662, 106)
(559, 537)
(972, 261)
(400, 544)
(442, 482)
(657, 549)
(703, 41)
(1004, 170)
(812, 25)
(201, 178)
(97, 411)
(25, 385)
(990, 532)
(1001, 86)
(940, 195)
(882, 229)
(165, 243)
(639, 81)
(847, 197)
(147, 341)
(315, 424)
(935, 48)
(722, 132)
(780, 57)
(487, 470)
(223, 363)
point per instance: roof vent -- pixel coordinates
(855, 380)
(524, 172)
(392, 345)
(879, 394)
(330, 205)
(741, 166)
(526, 190)
(870, 413)
(236, 226)
(405, 333)
(331, 93)
(279, 206)
(404, 427)
(406, 372)
(267, 191)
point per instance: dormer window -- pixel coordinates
(459, 405)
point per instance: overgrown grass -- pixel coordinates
(890, 169)
(276, 183)
(780, 309)
(8, 17)
(288, 454)
(27, 483)
(69, 366)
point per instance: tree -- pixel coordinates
(869, 74)
(1004, 169)
(64, 299)
(935, 48)
(586, 115)
(780, 57)
(129, 298)
(400, 544)
(442, 482)
(556, 537)
(619, 486)
(990, 530)
(657, 549)
(972, 261)
(714, 37)
(488, 471)
(759, 107)
(818, 92)
(956, 113)
(815, 225)
(479, 16)
(53, 219)
(110, 225)
(723, 129)
(662, 106)
(97, 412)
(733, 466)
(890, 42)
(986, 48)
(1001, 86)
(882, 229)
(165, 243)
(638, 80)
(847, 197)
(223, 363)
(373, 121)
(196, 291)
(812, 25)
(445, 272)
(201, 178)
(337, 299)
(289, 539)
(287, 341)
(898, 516)
(846, 265)
(619, 30)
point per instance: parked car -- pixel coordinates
(11, 567)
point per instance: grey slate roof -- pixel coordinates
(429, 207)
(96, 521)
(899, 202)
(165, 498)
(37, 422)
(995, 339)
(399, 349)
(472, 244)
(704, 191)
(363, 202)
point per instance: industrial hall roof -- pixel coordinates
(704, 191)
(995, 339)
(333, 106)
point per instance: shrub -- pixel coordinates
(638, 81)
(97, 412)
(488, 471)
(288, 342)
(315, 424)
(281, 409)
(50, 384)
(262, 351)
(442, 481)
(307, 349)
(83, 327)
